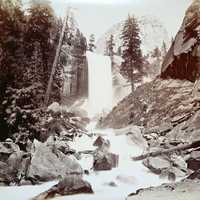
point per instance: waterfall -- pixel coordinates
(100, 84)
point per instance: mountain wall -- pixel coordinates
(74, 63)
(183, 58)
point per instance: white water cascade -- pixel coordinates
(100, 84)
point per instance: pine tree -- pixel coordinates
(156, 53)
(119, 51)
(131, 54)
(39, 31)
(110, 46)
(91, 44)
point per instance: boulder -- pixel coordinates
(48, 163)
(126, 179)
(194, 175)
(69, 185)
(54, 108)
(193, 162)
(6, 149)
(5, 176)
(11, 162)
(73, 184)
(100, 142)
(105, 161)
(156, 164)
(179, 162)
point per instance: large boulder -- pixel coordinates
(69, 185)
(101, 142)
(49, 163)
(6, 149)
(12, 167)
(157, 164)
(104, 160)
(193, 162)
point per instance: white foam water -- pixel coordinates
(100, 84)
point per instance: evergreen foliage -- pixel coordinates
(110, 46)
(91, 44)
(131, 51)
(27, 47)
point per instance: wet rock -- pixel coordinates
(5, 177)
(112, 184)
(193, 162)
(194, 175)
(6, 149)
(179, 162)
(70, 185)
(105, 160)
(11, 162)
(156, 164)
(48, 163)
(103, 163)
(25, 182)
(126, 179)
(86, 172)
(54, 108)
(100, 142)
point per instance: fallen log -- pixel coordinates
(192, 145)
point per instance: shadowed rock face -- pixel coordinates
(75, 68)
(183, 58)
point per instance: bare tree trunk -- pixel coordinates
(46, 99)
(132, 83)
(132, 79)
(195, 144)
(196, 89)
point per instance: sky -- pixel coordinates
(97, 16)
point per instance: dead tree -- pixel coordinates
(46, 99)
(193, 145)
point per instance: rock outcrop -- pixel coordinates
(74, 62)
(161, 107)
(103, 159)
(69, 185)
(183, 58)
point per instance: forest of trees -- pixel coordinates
(28, 40)
(131, 50)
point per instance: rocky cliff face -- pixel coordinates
(183, 58)
(74, 64)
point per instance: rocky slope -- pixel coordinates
(167, 104)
